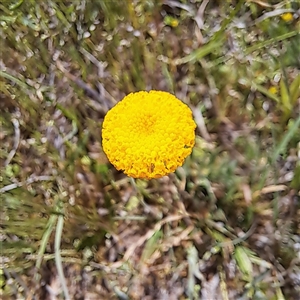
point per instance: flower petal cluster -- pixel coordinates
(148, 134)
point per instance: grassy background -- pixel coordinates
(225, 225)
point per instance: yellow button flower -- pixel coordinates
(287, 17)
(148, 134)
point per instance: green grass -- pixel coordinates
(223, 226)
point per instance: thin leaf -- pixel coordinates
(286, 139)
(199, 53)
(271, 41)
(285, 97)
(151, 245)
(295, 90)
(243, 261)
(264, 91)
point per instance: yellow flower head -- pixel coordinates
(287, 17)
(148, 134)
(273, 90)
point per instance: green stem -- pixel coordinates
(58, 234)
(45, 239)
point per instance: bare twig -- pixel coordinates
(16, 142)
(213, 91)
(199, 21)
(149, 234)
(186, 7)
(30, 180)
(200, 123)
(100, 65)
(90, 92)
(200, 13)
